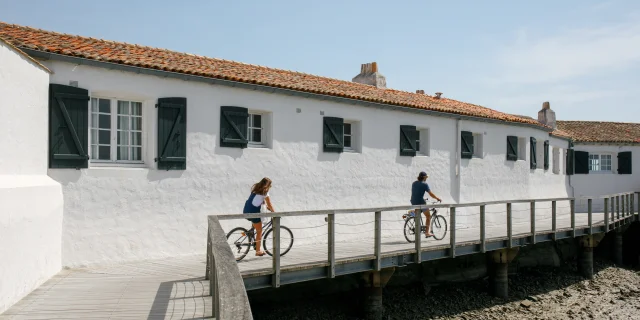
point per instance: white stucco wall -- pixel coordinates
(30, 201)
(114, 213)
(601, 183)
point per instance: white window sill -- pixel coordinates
(600, 172)
(134, 165)
(421, 155)
(345, 150)
(257, 146)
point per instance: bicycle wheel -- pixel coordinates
(286, 241)
(239, 242)
(410, 230)
(438, 227)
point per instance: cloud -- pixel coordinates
(569, 54)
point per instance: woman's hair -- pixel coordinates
(262, 187)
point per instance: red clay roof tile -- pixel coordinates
(599, 131)
(161, 59)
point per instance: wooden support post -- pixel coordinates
(633, 207)
(452, 211)
(533, 222)
(617, 211)
(206, 271)
(573, 216)
(590, 212)
(276, 253)
(622, 209)
(483, 230)
(613, 211)
(554, 220)
(606, 215)
(509, 226)
(629, 210)
(378, 241)
(331, 233)
(418, 227)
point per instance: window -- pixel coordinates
(522, 148)
(351, 135)
(255, 132)
(599, 163)
(116, 131)
(556, 160)
(347, 136)
(422, 142)
(477, 142)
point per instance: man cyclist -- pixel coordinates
(418, 188)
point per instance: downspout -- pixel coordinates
(458, 192)
(573, 190)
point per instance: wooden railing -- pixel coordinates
(227, 295)
(230, 301)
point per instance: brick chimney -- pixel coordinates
(547, 116)
(369, 75)
(420, 91)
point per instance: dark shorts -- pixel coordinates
(254, 220)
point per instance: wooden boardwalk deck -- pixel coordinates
(175, 288)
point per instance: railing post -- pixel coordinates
(483, 230)
(509, 226)
(554, 220)
(417, 220)
(613, 211)
(573, 216)
(452, 211)
(206, 272)
(622, 208)
(633, 206)
(606, 215)
(276, 252)
(331, 223)
(533, 222)
(629, 210)
(617, 211)
(590, 212)
(378, 240)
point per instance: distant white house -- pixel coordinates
(146, 142)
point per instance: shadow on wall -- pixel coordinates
(65, 176)
(404, 160)
(327, 156)
(157, 175)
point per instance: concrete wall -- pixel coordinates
(30, 202)
(601, 183)
(126, 213)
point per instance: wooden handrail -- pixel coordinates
(230, 300)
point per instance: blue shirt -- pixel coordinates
(418, 188)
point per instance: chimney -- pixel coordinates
(547, 116)
(420, 91)
(438, 94)
(369, 75)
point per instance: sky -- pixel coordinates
(582, 56)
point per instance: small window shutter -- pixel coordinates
(546, 154)
(172, 134)
(512, 148)
(408, 137)
(582, 162)
(234, 127)
(333, 134)
(533, 157)
(624, 162)
(467, 144)
(570, 162)
(68, 127)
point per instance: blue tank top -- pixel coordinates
(249, 207)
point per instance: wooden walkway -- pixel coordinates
(175, 288)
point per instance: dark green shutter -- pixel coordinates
(570, 166)
(624, 162)
(333, 134)
(467, 145)
(582, 162)
(533, 158)
(234, 126)
(512, 148)
(172, 134)
(546, 154)
(408, 137)
(68, 127)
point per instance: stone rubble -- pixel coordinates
(543, 293)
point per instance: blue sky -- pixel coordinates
(582, 56)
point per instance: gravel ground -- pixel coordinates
(544, 293)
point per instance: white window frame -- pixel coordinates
(423, 143)
(477, 145)
(599, 156)
(522, 149)
(263, 128)
(556, 160)
(113, 140)
(355, 136)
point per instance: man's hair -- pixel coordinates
(422, 178)
(261, 187)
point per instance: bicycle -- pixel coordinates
(438, 222)
(246, 239)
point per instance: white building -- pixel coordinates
(146, 143)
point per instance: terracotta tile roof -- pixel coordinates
(599, 131)
(161, 59)
(25, 55)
